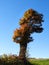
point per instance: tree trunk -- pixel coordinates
(22, 54)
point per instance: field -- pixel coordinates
(12, 60)
(39, 61)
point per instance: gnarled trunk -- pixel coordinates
(22, 54)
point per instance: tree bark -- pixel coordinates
(22, 54)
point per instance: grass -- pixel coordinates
(12, 60)
(39, 61)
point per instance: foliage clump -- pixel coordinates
(31, 22)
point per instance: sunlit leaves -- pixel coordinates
(31, 22)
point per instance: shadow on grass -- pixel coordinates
(18, 64)
(27, 63)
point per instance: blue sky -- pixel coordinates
(10, 13)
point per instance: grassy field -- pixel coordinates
(12, 60)
(39, 61)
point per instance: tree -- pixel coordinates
(30, 23)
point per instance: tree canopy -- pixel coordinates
(30, 23)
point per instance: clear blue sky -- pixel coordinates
(10, 13)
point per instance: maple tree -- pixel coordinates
(30, 23)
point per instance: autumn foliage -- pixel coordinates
(31, 22)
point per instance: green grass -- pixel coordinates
(39, 61)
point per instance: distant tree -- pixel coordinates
(30, 23)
